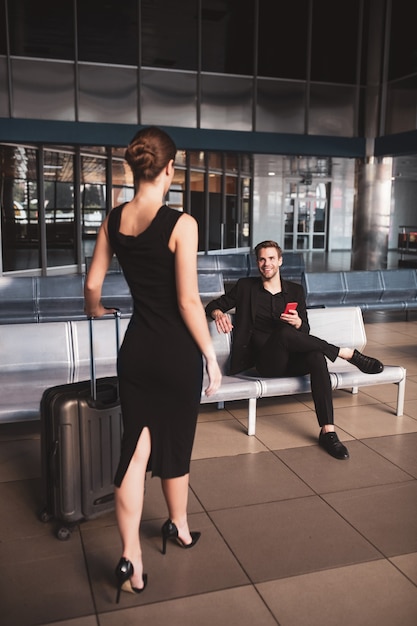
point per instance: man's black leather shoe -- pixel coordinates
(366, 364)
(330, 442)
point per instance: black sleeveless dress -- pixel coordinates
(160, 367)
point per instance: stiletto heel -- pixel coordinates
(170, 531)
(124, 571)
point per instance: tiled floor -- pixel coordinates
(290, 536)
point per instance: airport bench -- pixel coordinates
(371, 290)
(38, 356)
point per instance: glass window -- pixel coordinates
(334, 41)
(244, 232)
(401, 106)
(198, 206)
(226, 102)
(231, 162)
(122, 178)
(93, 196)
(4, 88)
(196, 158)
(19, 209)
(43, 89)
(3, 40)
(108, 32)
(403, 44)
(169, 34)
(280, 106)
(168, 95)
(332, 110)
(59, 208)
(215, 161)
(180, 158)
(282, 45)
(175, 196)
(215, 211)
(107, 94)
(228, 36)
(42, 29)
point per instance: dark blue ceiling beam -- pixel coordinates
(100, 134)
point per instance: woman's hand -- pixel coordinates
(215, 376)
(98, 311)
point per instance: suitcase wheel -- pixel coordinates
(63, 533)
(45, 516)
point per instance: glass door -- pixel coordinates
(305, 214)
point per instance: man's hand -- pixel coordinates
(291, 318)
(222, 321)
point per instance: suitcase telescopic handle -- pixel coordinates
(93, 377)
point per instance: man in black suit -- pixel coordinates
(277, 341)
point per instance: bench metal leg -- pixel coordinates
(400, 397)
(220, 405)
(252, 416)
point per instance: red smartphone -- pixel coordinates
(291, 306)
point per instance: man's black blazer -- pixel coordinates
(243, 298)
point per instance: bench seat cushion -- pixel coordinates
(232, 388)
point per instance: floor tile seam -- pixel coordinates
(250, 505)
(90, 582)
(207, 511)
(175, 598)
(356, 530)
(413, 582)
(324, 493)
(232, 552)
(293, 471)
(411, 417)
(398, 484)
(394, 464)
(323, 569)
(359, 532)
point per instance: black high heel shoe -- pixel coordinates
(170, 531)
(124, 571)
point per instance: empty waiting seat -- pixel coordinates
(363, 287)
(18, 300)
(323, 288)
(399, 285)
(60, 298)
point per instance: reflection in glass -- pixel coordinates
(305, 214)
(332, 110)
(169, 34)
(283, 56)
(198, 208)
(63, 230)
(341, 38)
(227, 28)
(167, 95)
(43, 89)
(280, 106)
(122, 178)
(42, 29)
(401, 106)
(59, 208)
(226, 102)
(19, 209)
(107, 32)
(175, 196)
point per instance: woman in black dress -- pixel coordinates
(160, 365)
